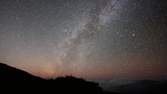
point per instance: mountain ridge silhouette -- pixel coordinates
(11, 77)
(10, 73)
(18, 80)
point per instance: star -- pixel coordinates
(133, 35)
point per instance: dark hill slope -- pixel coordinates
(22, 82)
(10, 73)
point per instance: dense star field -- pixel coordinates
(93, 39)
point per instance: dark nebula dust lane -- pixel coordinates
(94, 39)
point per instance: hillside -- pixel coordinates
(14, 78)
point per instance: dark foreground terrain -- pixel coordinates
(15, 80)
(18, 81)
(139, 87)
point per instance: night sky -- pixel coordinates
(93, 39)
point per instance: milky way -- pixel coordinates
(96, 39)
